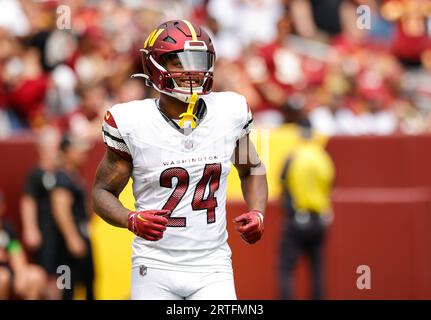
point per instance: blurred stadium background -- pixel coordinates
(364, 87)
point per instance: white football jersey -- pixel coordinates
(183, 173)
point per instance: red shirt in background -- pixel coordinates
(28, 98)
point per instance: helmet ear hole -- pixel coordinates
(169, 39)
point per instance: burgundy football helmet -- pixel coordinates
(178, 60)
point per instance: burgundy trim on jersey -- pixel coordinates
(109, 119)
(113, 139)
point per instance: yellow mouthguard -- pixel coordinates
(188, 115)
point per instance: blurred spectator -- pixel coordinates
(238, 17)
(225, 43)
(13, 17)
(312, 16)
(62, 97)
(274, 69)
(282, 67)
(91, 57)
(85, 121)
(18, 278)
(69, 206)
(335, 118)
(27, 84)
(40, 233)
(411, 37)
(306, 179)
(131, 89)
(231, 76)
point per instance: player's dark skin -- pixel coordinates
(114, 173)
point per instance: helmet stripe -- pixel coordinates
(149, 37)
(154, 38)
(192, 30)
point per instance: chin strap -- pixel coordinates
(188, 116)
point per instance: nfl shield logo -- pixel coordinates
(188, 144)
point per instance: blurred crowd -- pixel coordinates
(351, 66)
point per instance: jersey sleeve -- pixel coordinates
(113, 138)
(247, 120)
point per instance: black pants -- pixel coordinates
(50, 253)
(82, 272)
(303, 237)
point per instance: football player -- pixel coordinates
(178, 149)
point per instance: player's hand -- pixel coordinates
(250, 226)
(148, 224)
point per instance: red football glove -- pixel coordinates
(250, 226)
(148, 224)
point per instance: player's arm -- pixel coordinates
(112, 176)
(252, 173)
